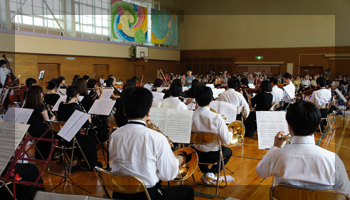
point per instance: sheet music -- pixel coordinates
(102, 107)
(179, 124)
(148, 86)
(61, 91)
(269, 123)
(1, 120)
(41, 75)
(226, 109)
(216, 92)
(63, 98)
(210, 85)
(174, 123)
(184, 88)
(18, 115)
(167, 105)
(73, 125)
(290, 91)
(156, 104)
(107, 93)
(251, 85)
(11, 135)
(158, 96)
(160, 89)
(341, 95)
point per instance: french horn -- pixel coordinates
(188, 168)
(238, 133)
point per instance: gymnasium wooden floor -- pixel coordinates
(246, 184)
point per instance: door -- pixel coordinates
(311, 70)
(99, 71)
(52, 70)
(139, 72)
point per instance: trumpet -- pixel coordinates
(288, 138)
(187, 169)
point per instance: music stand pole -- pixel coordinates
(66, 179)
(344, 126)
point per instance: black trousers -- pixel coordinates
(324, 113)
(183, 192)
(250, 124)
(213, 156)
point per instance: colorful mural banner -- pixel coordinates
(165, 28)
(129, 22)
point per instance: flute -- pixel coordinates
(51, 114)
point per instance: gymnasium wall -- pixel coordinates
(26, 65)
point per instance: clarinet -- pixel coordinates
(91, 127)
(51, 114)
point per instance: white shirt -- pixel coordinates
(335, 83)
(302, 163)
(206, 121)
(289, 87)
(321, 96)
(236, 99)
(277, 94)
(142, 152)
(305, 83)
(3, 75)
(102, 80)
(178, 104)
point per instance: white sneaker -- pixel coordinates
(208, 178)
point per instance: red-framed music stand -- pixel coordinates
(20, 152)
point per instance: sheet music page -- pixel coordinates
(41, 75)
(23, 115)
(148, 86)
(216, 92)
(210, 85)
(102, 107)
(61, 99)
(158, 96)
(11, 135)
(179, 124)
(10, 115)
(156, 104)
(80, 98)
(158, 116)
(160, 89)
(109, 107)
(341, 95)
(251, 85)
(73, 125)
(184, 88)
(290, 91)
(5, 95)
(61, 91)
(269, 123)
(107, 93)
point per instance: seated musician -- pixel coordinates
(277, 93)
(3, 72)
(87, 102)
(37, 119)
(142, 152)
(119, 116)
(92, 83)
(175, 91)
(302, 163)
(62, 82)
(87, 142)
(29, 82)
(244, 87)
(157, 83)
(287, 97)
(235, 98)
(206, 121)
(75, 78)
(321, 96)
(263, 102)
(51, 97)
(110, 82)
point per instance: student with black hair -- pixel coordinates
(86, 77)
(290, 87)
(87, 142)
(277, 93)
(206, 121)
(75, 78)
(62, 82)
(51, 97)
(302, 163)
(244, 87)
(175, 91)
(263, 102)
(142, 152)
(157, 83)
(235, 98)
(191, 93)
(29, 82)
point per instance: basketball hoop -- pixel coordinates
(145, 58)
